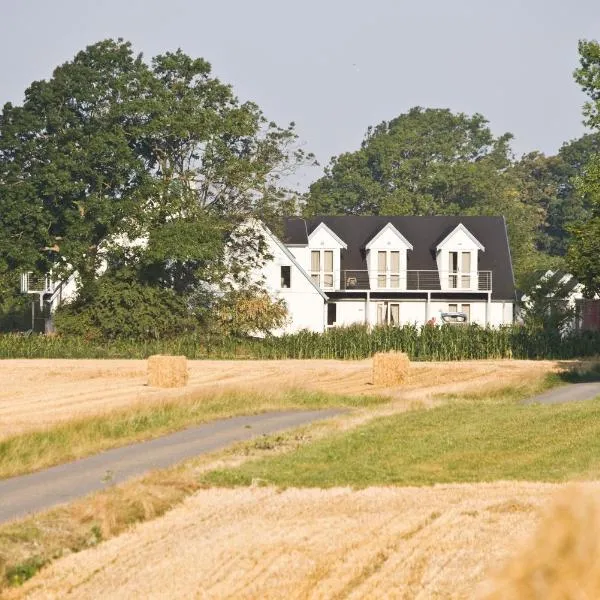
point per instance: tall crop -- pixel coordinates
(448, 342)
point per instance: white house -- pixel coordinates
(343, 270)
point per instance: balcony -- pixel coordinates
(33, 283)
(415, 281)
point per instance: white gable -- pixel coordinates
(460, 239)
(323, 237)
(389, 238)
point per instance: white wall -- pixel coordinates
(306, 307)
(350, 312)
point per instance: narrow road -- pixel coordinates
(26, 494)
(572, 392)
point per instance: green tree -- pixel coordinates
(116, 164)
(548, 184)
(584, 249)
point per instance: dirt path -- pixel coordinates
(25, 494)
(435, 542)
(35, 394)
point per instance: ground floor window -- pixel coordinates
(457, 309)
(331, 313)
(388, 313)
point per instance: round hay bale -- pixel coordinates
(561, 560)
(390, 368)
(166, 371)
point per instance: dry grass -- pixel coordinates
(167, 371)
(36, 394)
(561, 561)
(435, 542)
(390, 368)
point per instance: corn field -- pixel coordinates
(420, 343)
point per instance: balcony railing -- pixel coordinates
(34, 283)
(415, 280)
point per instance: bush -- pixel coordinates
(121, 308)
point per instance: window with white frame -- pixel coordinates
(321, 268)
(388, 313)
(465, 309)
(459, 270)
(388, 269)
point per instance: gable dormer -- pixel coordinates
(387, 259)
(325, 248)
(457, 257)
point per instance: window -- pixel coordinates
(388, 269)
(321, 267)
(465, 266)
(381, 314)
(381, 268)
(331, 313)
(315, 266)
(465, 309)
(286, 276)
(460, 272)
(394, 269)
(388, 313)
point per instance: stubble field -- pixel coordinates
(40, 393)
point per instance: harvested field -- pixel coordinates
(435, 542)
(38, 393)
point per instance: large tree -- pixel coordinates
(115, 164)
(548, 183)
(428, 162)
(584, 249)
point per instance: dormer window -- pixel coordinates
(460, 270)
(388, 269)
(325, 248)
(386, 259)
(321, 268)
(457, 259)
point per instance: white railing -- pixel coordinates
(416, 280)
(34, 283)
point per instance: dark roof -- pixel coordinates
(424, 233)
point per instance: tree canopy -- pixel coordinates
(115, 163)
(432, 162)
(584, 249)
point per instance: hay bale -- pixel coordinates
(390, 368)
(167, 371)
(561, 560)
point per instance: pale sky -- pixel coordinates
(337, 66)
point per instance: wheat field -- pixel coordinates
(435, 542)
(40, 393)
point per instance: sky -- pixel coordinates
(334, 67)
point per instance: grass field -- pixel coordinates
(467, 440)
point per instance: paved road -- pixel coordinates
(26, 494)
(568, 393)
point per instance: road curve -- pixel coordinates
(572, 392)
(25, 494)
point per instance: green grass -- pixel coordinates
(462, 441)
(76, 439)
